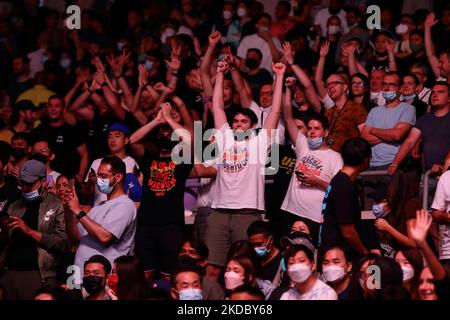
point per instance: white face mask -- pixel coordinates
(241, 12)
(299, 272)
(227, 15)
(334, 29)
(333, 273)
(408, 273)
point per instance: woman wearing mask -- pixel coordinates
(411, 262)
(396, 214)
(360, 90)
(301, 269)
(127, 280)
(334, 31)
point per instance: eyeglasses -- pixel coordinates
(334, 83)
(358, 84)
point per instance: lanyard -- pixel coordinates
(333, 124)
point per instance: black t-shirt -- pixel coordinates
(95, 135)
(23, 253)
(435, 138)
(375, 64)
(421, 107)
(230, 112)
(16, 88)
(9, 193)
(269, 271)
(162, 190)
(342, 207)
(63, 141)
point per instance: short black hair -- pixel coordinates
(55, 96)
(320, 118)
(345, 250)
(100, 259)
(263, 15)
(258, 227)
(257, 51)
(442, 83)
(355, 151)
(296, 248)
(412, 75)
(248, 113)
(22, 136)
(250, 290)
(200, 247)
(417, 33)
(287, 6)
(57, 292)
(117, 165)
(185, 268)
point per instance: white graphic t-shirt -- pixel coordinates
(306, 201)
(441, 202)
(320, 291)
(240, 171)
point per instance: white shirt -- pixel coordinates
(240, 171)
(254, 41)
(320, 291)
(441, 202)
(322, 19)
(377, 98)
(306, 201)
(327, 102)
(36, 61)
(206, 191)
(130, 165)
(262, 114)
(424, 95)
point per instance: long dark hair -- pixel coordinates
(366, 97)
(355, 290)
(132, 284)
(415, 258)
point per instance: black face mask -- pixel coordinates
(381, 54)
(164, 143)
(19, 153)
(251, 63)
(185, 260)
(93, 284)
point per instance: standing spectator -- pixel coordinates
(24, 117)
(118, 139)
(109, 228)
(421, 71)
(235, 205)
(283, 23)
(22, 79)
(334, 9)
(36, 236)
(41, 147)
(256, 76)
(71, 155)
(376, 88)
(387, 126)
(263, 41)
(39, 93)
(360, 90)
(96, 271)
(9, 192)
(341, 210)
(346, 118)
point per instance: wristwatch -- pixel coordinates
(81, 214)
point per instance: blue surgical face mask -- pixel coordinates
(315, 143)
(64, 63)
(32, 195)
(103, 186)
(378, 210)
(409, 97)
(389, 95)
(261, 251)
(148, 64)
(191, 294)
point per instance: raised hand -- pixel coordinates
(222, 67)
(143, 75)
(176, 48)
(197, 47)
(288, 52)
(279, 68)
(100, 78)
(422, 224)
(175, 62)
(214, 38)
(233, 61)
(390, 45)
(324, 48)
(166, 110)
(290, 82)
(430, 20)
(98, 64)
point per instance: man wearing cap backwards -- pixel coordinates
(36, 235)
(118, 139)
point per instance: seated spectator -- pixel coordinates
(409, 94)
(411, 262)
(187, 284)
(300, 266)
(95, 274)
(261, 237)
(42, 148)
(55, 293)
(336, 269)
(246, 292)
(131, 283)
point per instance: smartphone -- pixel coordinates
(50, 180)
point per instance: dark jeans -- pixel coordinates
(158, 247)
